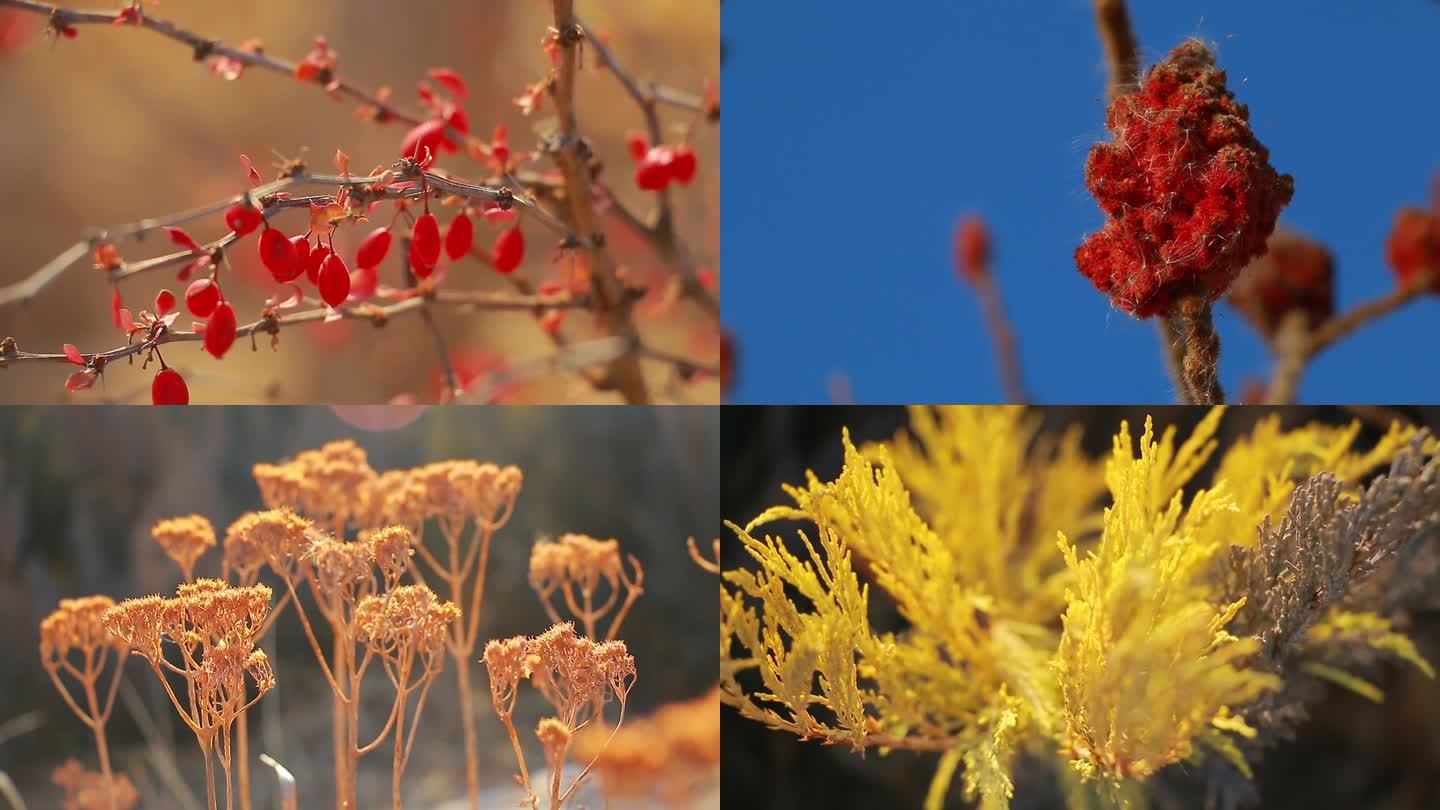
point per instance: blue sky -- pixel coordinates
(856, 133)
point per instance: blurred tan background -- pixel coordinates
(120, 124)
(81, 487)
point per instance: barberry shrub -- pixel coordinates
(1109, 626)
(494, 225)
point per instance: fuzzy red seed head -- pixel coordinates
(684, 164)
(509, 249)
(334, 280)
(972, 248)
(201, 297)
(242, 219)
(373, 248)
(278, 255)
(425, 239)
(168, 388)
(459, 235)
(1413, 246)
(220, 330)
(1189, 193)
(1296, 274)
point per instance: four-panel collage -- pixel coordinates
(375, 426)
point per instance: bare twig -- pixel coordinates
(1002, 336)
(1295, 349)
(10, 792)
(205, 48)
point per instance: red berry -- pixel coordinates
(164, 302)
(417, 265)
(684, 165)
(637, 144)
(317, 257)
(168, 388)
(363, 283)
(373, 248)
(242, 219)
(509, 250)
(201, 297)
(220, 330)
(334, 280)
(458, 236)
(425, 239)
(657, 169)
(278, 254)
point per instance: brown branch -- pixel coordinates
(1002, 336)
(205, 48)
(661, 232)
(624, 371)
(1122, 53)
(1202, 350)
(26, 289)
(378, 315)
(1295, 349)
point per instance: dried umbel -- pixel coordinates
(325, 485)
(274, 536)
(1188, 192)
(1295, 276)
(185, 539)
(213, 627)
(575, 566)
(575, 675)
(91, 790)
(73, 641)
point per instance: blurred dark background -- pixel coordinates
(1351, 753)
(80, 488)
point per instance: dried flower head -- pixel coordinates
(185, 539)
(554, 737)
(390, 550)
(1189, 193)
(341, 569)
(75, 626)
(578, 558)
(275, 536)
(326, 485)
(408, 617)
(91, 790)
(506, 663)
(572, 671)
(1295, 275)
(1413, 246)
(457, 489)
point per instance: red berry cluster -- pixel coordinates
(1414, 245)
(1189, 193)
(1296, 274)
(656, 166)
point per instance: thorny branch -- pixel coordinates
(624, 373)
